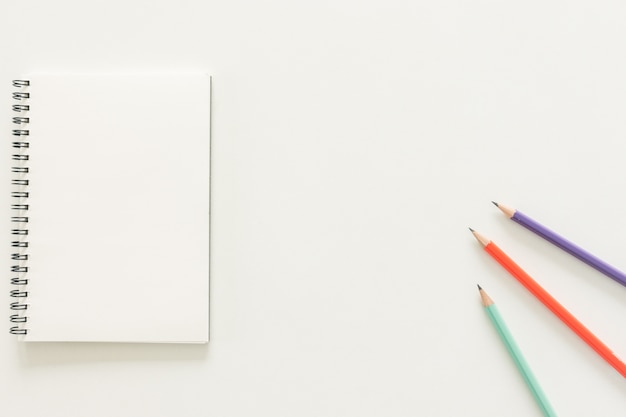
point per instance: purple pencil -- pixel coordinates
(563, 243)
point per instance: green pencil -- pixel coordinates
(516, 354)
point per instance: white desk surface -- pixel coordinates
(353, 144)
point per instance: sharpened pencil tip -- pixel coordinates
(479, 287)
(485, 299)
(480, 238)
(494, 203)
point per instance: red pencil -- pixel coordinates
(552, 304)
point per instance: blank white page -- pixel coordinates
(119, 208)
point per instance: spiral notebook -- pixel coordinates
(110, 208)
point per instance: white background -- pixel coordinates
(353, 144)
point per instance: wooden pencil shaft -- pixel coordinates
(563, 243)
(518, 357)
(557, 309)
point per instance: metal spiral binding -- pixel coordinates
(19, 208)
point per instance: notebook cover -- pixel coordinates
(119, 208)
